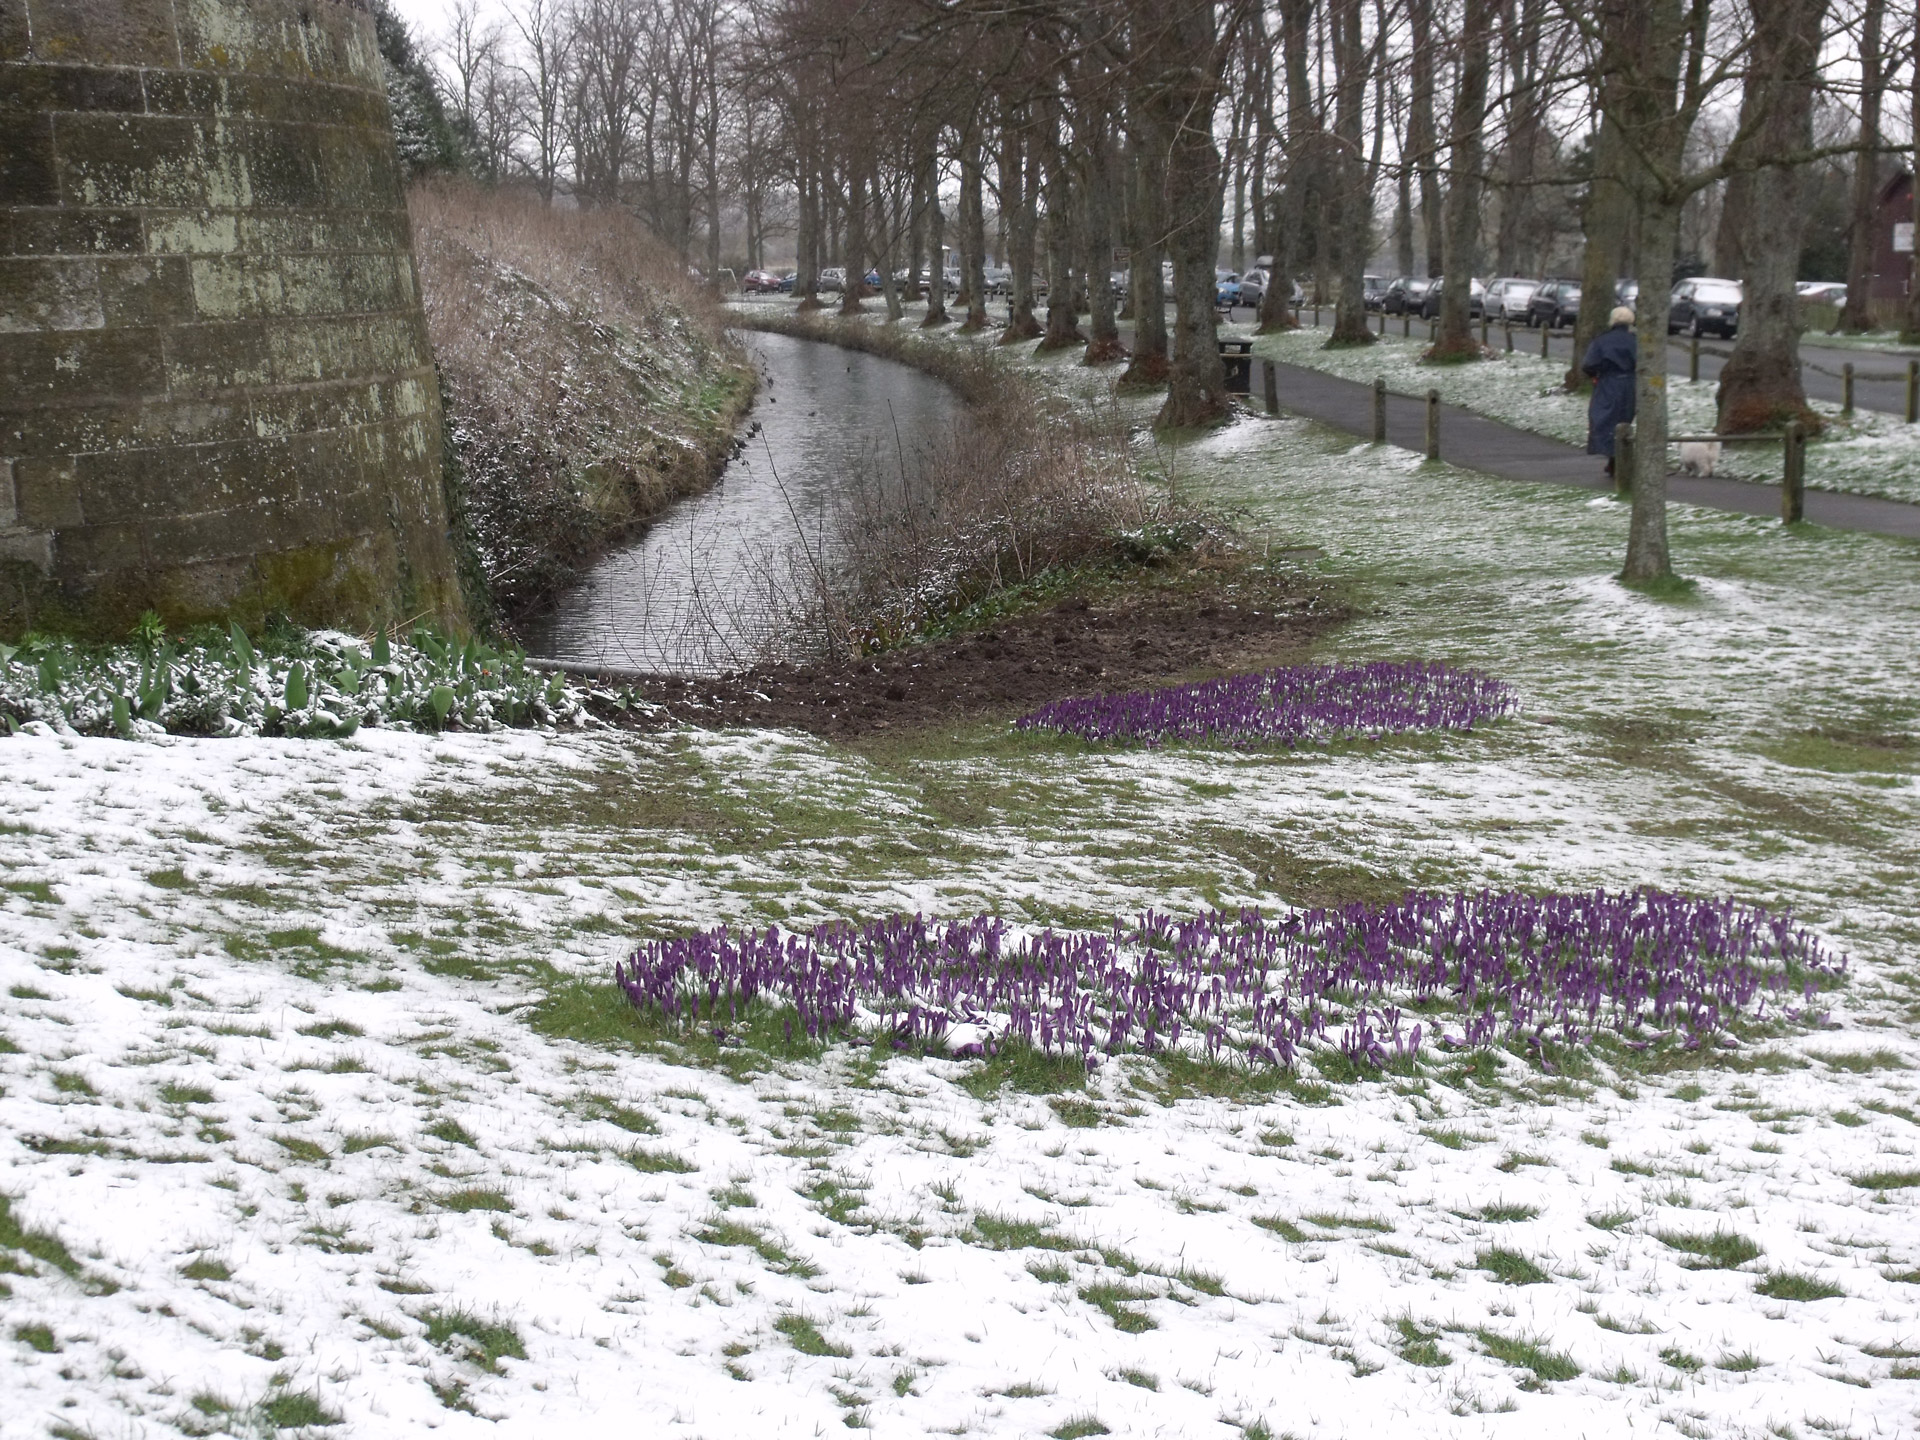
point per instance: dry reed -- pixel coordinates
(589, 383)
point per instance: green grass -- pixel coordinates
(1116, 1303)
(1140, 1378)
(1079, 1427)
(1328, 1221)
(805, 1337)
(295, 1410)
(1722, 1250)
(453, 1132)
(1282, 1227)
(1888, 1180)
(1050, 1272)
(1610, 1220)
(1510, 1267)
(206, 1267)
(1420, 1346)
(1000, 1232)
(176, 1094)
(464, 1201)
(1528, 1355)
(656, 1162)
(1680, 1360)
(729, 1233)
(486, 1342)
(1502, 1213)
(40, 1244)
(1787, 1285)
(36, 1336)
(302, 1149)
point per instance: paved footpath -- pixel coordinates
(1477, 443)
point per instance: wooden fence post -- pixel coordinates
(1272, 386)
(1846, 388)
(1913, 391)
(1623, 457)
(1546, 334)
(1380, 410)
(1793, 488)
(1693, 359)
(1433, 424)
(1509, 330)
(1406, 322)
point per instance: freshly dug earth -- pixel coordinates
(1123, 637)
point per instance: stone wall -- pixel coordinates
(216, 393)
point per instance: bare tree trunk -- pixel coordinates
(936, 236)
(1356, 205)
(885, 227)
(1063, 319)
(1858, 314)
(1649, 40)
(1103, 345)
(1910, 328)
(1455, 341)
(973, 220)
(806, 283)
(1422, 134)
(1524, 106)
(856, 256)
(1018, 201)
(1760, 384)
(1149, 363)
(1608, 211)
(1299, 154)
(1184, 92)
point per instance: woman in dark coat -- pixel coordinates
(1609, 364)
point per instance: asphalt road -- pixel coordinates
(1880, 377)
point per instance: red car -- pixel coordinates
(760, 282)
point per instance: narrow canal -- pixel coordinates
(710, 585)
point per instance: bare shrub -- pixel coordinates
(588, 381)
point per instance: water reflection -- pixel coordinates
(700, 591)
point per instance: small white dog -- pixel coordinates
(1699, 457)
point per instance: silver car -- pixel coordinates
(1507, 297)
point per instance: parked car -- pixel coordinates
(1373, 290)
(1821, 292)
(1705, 304)
(1430, 302)
(1506, 298)
(1626, 292)
(1554, 304)
(760, 282)
(1405, 295)
(1247, 289)
(788, 281)
(833, 279)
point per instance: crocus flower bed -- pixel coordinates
(1372, 981)
(1291, 705)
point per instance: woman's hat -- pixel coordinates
(1622, 315)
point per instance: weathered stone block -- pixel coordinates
(37, 295)
(121, 32)
(27, 170)
(70, 232)
(79, 365)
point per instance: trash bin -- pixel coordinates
(1236, 356)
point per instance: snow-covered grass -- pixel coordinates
(1868, 453)
(318, 1100)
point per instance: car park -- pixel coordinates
(1506, 298)
(1705, 304)
(1554, 304)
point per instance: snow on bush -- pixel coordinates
(321, 683)
(1291, 705)
(1373, 981)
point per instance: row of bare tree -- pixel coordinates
(1076, 140)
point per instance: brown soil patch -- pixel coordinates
(1124, 638)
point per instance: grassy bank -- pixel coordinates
(589, 384)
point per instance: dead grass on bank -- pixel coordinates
(1017, 499)
(589, 383)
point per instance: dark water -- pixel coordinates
(706, 587)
